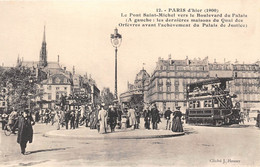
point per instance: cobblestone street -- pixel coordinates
(200, 146)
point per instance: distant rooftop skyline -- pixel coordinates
(79, 32)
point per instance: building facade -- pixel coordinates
(138, 89)
(168, 81)
(167, 84)
(53, 88)
(55, 81)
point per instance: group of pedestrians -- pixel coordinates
(108, 118)
(173, 120)
(151, 116)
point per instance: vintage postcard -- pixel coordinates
(130, 83)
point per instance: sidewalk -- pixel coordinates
(92, 134)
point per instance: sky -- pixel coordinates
(79, 32)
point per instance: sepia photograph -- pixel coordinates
(130, 83)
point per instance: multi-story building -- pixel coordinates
(55, 81)
(138, 89)
(53, 88)
(246, 85)
(167, 84)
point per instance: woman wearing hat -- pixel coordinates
(176, 120)
(25, 130)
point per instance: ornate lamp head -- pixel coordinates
(116, 38)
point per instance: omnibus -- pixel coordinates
(209, 102)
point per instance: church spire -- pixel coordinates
(44, 38)
(18, 60)
(43, 52)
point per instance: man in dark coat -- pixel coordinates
(72, 119)
(167, 116)
(119, 114)
(137, 115)
(155, 116)
(25, 130)
(112, 118)
(67, 118)
(147, 118)
(258, 120)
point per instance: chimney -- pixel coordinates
(73, 70)
(58, 58)
(64, 68)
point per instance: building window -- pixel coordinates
(160, 88)
(161, 68)
(65, 88)
(49, 87)
(57, 96)
(49, 96)
(168, 96)
(176, 83)
(57, 88)
(197, 104)
(190, 104)
(176, 103)
(168, 88)
(168, 82)
(208, 103)
(160, 82)
(176, 88)
(3, 103)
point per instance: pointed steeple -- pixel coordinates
(43, 52)
(44, 38)
(18, 60)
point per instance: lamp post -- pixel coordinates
(116, 40)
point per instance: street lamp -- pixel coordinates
(116, 40)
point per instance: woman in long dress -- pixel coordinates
(132, 118)
(102, 117)
(176, 120)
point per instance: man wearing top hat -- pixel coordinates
(25, 130)
(155, 116)
(167, 116)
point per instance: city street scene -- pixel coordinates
(109, 84)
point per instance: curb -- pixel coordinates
(113, 136)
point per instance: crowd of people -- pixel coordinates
(104, 119)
